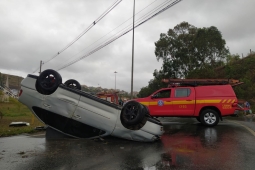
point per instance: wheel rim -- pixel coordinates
(210, 118)
(131, 111)
(48, 81)
(72, 85)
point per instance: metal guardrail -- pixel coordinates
(8, 91)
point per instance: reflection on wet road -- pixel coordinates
(185, 144)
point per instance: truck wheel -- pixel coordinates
(133, 115)
(73, 84)
(48, 82)
(209, 117)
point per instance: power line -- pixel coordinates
(115, 28)
(123, 33)
(126, 28)
(85, 31)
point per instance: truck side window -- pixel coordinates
(163, 94)
(182, 92)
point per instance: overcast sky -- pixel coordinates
(34, 30)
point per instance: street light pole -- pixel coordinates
(115, 79)
(132, 71)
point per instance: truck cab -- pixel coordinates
(170, 102)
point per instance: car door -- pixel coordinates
(57, 110)
(61, 102)
(183, 101)
(160, 103)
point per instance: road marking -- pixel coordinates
(249, 129)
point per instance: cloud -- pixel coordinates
(37, 30)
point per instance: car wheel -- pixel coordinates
(133, 115)
(147, 109)
(73, 84)
(48, 81)
(198, 119)
(209, 117)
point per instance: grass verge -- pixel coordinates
(14, 111)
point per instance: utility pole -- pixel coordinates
(115, 79)
(41, 63)
(132, 71)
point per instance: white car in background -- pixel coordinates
(67, 109)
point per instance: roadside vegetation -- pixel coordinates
(14, 111)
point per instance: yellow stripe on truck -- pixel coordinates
(156, 103)
(184, 102)
(145, 103)
(208, 101)
(187, 102)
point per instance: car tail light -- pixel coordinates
(20, 92)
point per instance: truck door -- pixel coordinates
(183, 101)
(160, 103)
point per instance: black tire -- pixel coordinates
(73, 84)
(147, 109)
(133, 115)
(209, 117)
(198, 119)
(48, 81)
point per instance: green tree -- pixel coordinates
(188, 52)
(236, 68)
(176, 48)
(186, 48)
(209, 47)
(232, 58)
(144, 92)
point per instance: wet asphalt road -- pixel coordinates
(186, 144)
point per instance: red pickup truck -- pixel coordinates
(207, 103)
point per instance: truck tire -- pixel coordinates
(209, 117)
(73, 84)
(133, 115)
(48, 81)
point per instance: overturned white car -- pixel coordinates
(67, 109)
